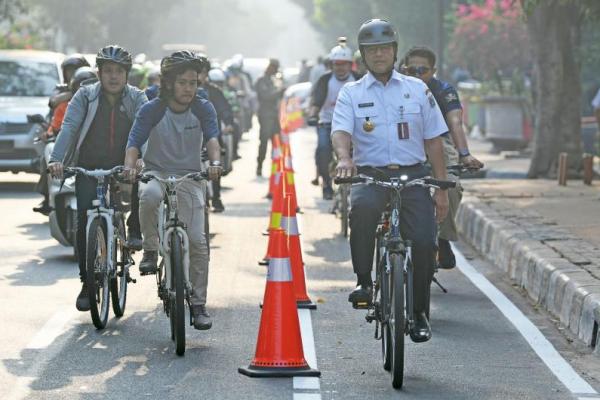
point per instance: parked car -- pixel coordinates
(27, 80)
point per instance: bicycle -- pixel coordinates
(108, 258)
(391, 306)
(173, 276)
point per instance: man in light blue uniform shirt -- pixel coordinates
(392, 123)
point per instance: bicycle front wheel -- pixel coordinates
(397, 321)
(97, 278)
(121, 261)
(177, 311)
(344, 208)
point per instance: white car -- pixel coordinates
(27, 80)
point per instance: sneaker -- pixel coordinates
(361, 296)
(327, 193)
(315, 182)
(43, 208)
(218, 206)
(202, 319)
(83, 300)
(148, 265)
(446, 259)
(134, 241)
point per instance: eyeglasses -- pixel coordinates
(416, 71)
(373, 49)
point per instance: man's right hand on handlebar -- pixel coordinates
(56, 169)
(345, 168)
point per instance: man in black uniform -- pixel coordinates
(420, 62)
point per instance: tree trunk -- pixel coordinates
(554, 29)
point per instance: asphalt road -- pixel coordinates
(50, 351)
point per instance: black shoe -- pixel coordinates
(315, 182)
(202, 319)
(218, 206)
(148, 264)
(134, 241)
(259, 170)
(236, 156)
(43, 208)
(361, 296)
(446, 259)
(327, 193)
(83, 301)
(421, 331)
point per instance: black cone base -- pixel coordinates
(274, 372)
(306, 304)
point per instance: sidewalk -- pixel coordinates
(544, 236)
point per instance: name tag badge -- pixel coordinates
(403, 131)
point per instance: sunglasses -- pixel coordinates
(416, 71)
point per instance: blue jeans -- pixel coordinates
(323, 154)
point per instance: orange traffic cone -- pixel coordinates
(290, 226)
(276, 154)
(279, 350)
(275, 220)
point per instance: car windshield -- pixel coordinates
(27, 78)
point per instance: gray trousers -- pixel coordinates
(190, 201)
(417, 223)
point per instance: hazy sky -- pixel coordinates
(255, 28)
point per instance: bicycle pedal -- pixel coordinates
(371, 316)
(360, 305)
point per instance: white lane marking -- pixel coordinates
(307, 396)
(308, 345)
(21, 388)
(544, 349)
(51, 330)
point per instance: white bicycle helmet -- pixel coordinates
(341, 53)
(216, 75)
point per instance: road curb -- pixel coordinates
(566, 290)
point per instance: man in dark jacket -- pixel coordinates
(269, 92)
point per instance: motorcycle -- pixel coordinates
(63, 217)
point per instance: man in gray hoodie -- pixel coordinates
(94, 135)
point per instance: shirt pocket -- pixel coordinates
(411, 113)
(363, 115)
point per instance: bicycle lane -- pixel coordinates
(475, 352)
(134, 357)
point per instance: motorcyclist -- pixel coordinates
(225, 118)
(94, 135)
(219, 78)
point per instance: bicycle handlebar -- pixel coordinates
(398, 182)
(197, 176)
(71, 171)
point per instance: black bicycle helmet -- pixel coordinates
(115, 54)
(83, 75)
(180, 61)
(377, 32)
(74, 61)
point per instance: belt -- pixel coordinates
(393, 166)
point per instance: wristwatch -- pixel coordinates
(215, 163)
(463, 152)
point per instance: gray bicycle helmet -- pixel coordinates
(116, 54)
(376, 32)
(181, 60)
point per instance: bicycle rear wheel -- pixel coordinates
(97, 278)
(121, 260)
(397, 321)
(176, 303)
